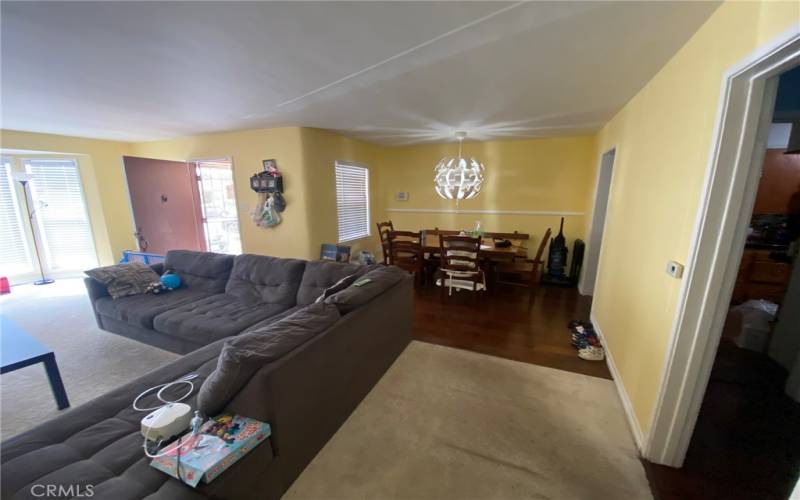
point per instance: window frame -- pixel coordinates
(368, 226)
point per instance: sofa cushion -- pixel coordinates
(212, 318)
(122, 280)
(380, 279)
(322, 274)
(98, 443)
(273, 319)
(242, 356)
(257, 278)
(206, 271)
(139, 310)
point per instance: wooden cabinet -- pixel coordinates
(760, 278)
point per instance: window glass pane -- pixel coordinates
(61, 217)
(15, 254)
(352, 201)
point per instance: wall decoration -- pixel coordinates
(269, 186)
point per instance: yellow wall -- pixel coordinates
(321, 149)
(664, 138)
(547, 175)
(101, 173)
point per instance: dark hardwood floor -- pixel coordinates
(508, 324)
(746, 443)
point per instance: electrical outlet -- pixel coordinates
(401, 196)
(675, 269)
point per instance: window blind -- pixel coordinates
(15, 256)
(352, 201)
(61, 215)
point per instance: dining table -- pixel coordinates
(430, 244)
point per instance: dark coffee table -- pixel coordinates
(18, 350)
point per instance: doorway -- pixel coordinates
(183, 205)
(604, 175)
(218, 204)
(722, 226)
(165, 201)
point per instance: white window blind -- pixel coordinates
(61, 215)
(15, 255)
(352, 201)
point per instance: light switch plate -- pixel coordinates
(401, 196)
(675, 269)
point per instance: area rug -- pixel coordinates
(91, 361)
(450, 424)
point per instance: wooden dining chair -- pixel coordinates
(405, 252)
(383, 233)
(525, 269)
(460, 265)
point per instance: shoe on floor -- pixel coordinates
(592, 353)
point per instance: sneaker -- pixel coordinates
(592, 353)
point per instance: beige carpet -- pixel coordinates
(91, 361)
(451, 424)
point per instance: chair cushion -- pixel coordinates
(242, 356)
(320, 275)
(260, 279)
(139, 310)
(212, 318)
(122, 280)
(380, 279)
(206, 271)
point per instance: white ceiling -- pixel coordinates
(393, 72)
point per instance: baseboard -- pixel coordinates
(633, 422)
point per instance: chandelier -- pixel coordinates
(458, 178)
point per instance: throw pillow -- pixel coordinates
(122, 280)
(337, 287)
(243, 355)
(366, 287)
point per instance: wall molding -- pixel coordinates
(633, 422)
(534, 213)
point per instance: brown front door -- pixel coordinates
(166, 205)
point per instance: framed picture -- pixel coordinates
(271, 166)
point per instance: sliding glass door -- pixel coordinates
(16, 256)
(60, 215)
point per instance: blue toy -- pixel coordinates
(171, 281)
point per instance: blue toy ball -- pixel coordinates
(172, 281)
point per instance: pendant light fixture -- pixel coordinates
(458, 178)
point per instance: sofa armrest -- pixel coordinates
(96, 289)
(310, 392)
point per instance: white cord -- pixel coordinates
(160, 408)
(163, 387)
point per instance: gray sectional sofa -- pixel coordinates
(302, 366)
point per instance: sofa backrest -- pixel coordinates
(321, 274)
(206, 271)
(272, 280)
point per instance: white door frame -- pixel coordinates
(738, 146)
(590, 270)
